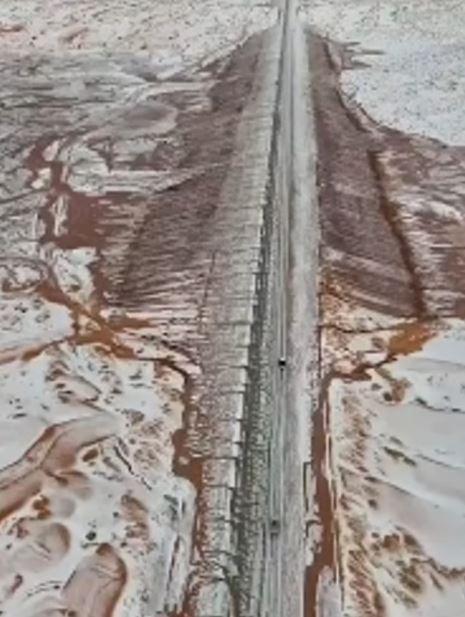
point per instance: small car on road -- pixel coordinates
(274, 527)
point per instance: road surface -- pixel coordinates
(296, 299)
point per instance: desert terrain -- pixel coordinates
(232, 308)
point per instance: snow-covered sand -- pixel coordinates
(414, 50)
(391, 135)
(95, 516)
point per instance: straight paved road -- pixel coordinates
(296, 300)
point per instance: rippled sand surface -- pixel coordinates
(110, 176)
(396, 413)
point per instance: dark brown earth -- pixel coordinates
(355, 219)
(371, 241)
(168, 249)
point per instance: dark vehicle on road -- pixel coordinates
(274, 527)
